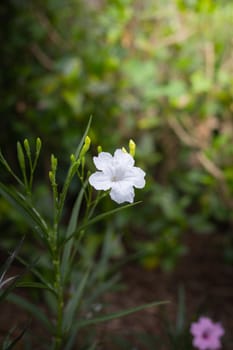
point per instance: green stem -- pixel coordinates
(58, 284)
(60, 302)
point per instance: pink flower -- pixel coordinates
(206, 334)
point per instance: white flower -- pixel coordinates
(119, 174)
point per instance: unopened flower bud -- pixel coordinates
(99, 149)
(86, 146)
(51, 176)
(132, 148)
(72, 158)
(27, 148)
(38, 145)
(20, 155)
(53, 163)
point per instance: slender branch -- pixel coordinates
(206, 163)
(53, 34)
(42, 57)
(209, 56)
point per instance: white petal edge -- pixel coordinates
(122, 192)
(123, 158)
(100, 181)
(136, 176)
(103, 161)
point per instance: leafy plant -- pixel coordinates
(70, 288)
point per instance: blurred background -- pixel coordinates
(159, 73)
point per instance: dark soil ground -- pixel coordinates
(208, 284)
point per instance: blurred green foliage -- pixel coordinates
(160, 74)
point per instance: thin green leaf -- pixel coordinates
(8, 168)
(6, 291)
(70, 230)
(9, 261)
(8, 280)
(104, 215)
(21, 160)
(35, 285)
(106, 253)
(70, 174)
(75, 301)
(37, 153)
(101, 217)
(101, 289)
(180, 321)
(75, 211)
(31, 215)
(37, 274)
(10, 283)
(31, 308)
(77, 152)
(15, 340)
(93, 346)
(119, 314)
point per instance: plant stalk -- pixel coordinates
(60, 302)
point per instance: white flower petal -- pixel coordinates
(123, 159)
(103, 161)
(118, 173)
(122, 192)
(100, 181)
(136, 176)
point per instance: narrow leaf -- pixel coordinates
(8, 168)
(180, 321)
(9, 261)
(31, 215)
(31, 308)
(104, 215)
(15, 340)
(83, 139)
(21, 160)
(75, 211)
(74, 302)
(7, 290)
(37, 273)
(101, 217)
(70, 231)
(119, 314)
(34, 285)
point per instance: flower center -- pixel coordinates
(206, 334)
(117, 174)
(114, 178)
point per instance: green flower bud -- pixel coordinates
(53, 163)
(99, 149)
(20, 156)
(87, 144)
(27, 148)
(132, 148)
(85, 147)
(51, 176)
(72, 158)
(38, 145)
